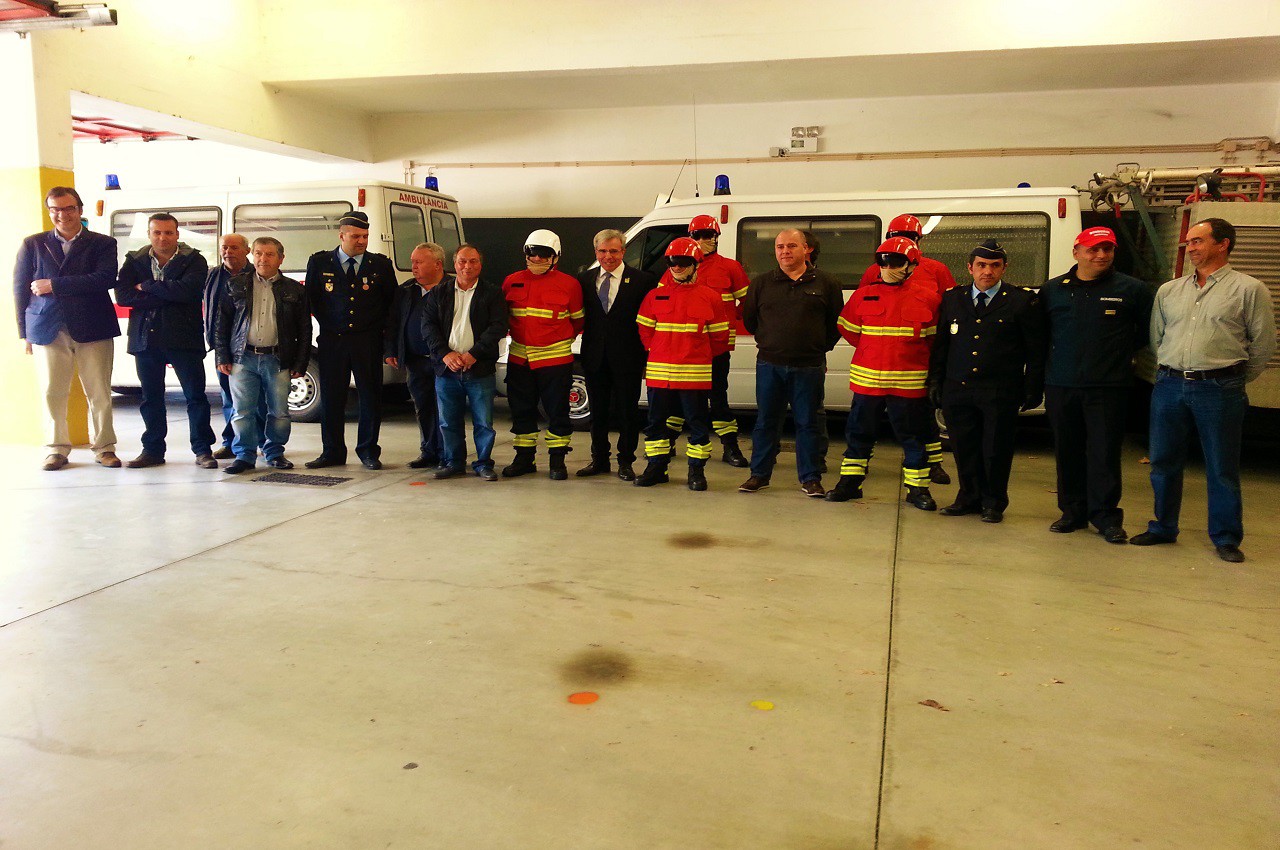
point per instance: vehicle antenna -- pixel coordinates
(696, 193)
(672, 193)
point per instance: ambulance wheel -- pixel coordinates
(304, 395)
(579, 401)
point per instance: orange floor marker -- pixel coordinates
(583, 698)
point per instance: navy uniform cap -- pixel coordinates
(355, 219)
(990, 249)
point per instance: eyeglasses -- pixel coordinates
(539, 252)
(74, 208)
(704, 234)
(681, 262)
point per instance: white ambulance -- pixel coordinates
(1036, 227)
(303, 216)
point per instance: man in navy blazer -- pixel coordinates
(613, 357)
(62, 282)
(163, 284)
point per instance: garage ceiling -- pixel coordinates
(1046, 69)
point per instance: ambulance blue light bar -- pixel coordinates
(722, 184)
(433, 184)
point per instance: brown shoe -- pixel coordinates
(753, 484)
(109, 460)
(142, 461)
(54, 462)
(224, 453)
(206, 462)
(813, 489)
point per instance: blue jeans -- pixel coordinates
(456, 392)
(255, 376)
(188, 365)
(1216, 407)
(229, 410)
(776, 387)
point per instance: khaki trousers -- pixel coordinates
(57, 362)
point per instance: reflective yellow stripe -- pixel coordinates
(678, 327)
(646, 321)
(717, 327)
(577, 314)
(915, 477)
(555, 441)
(524, 441)
(701, 451)
(657, 448)
(903, 380)
(848, 325)
(934, 452)
(675, 423)
(870, 330)
(739, 293)
(541, 352)
(724, 427)
(854, 466)
(535, 312)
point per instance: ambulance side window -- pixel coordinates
(444, 232)
(647, 249)
(949, 237)
(408, 230)
(303, 228)
(846, 246)
(198, 227)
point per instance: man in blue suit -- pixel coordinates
(62, 281)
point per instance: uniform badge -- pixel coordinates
(328, 286)
(366, 286)
(955, 328)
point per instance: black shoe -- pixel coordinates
(1066, 525)
(598, 466)
(732, 455)
(1146, 538)
(957, 509)
(323, 461)
(424, 461)
(653, 474)
(280, 463)
(697, 478)
(625, 472)
(992, 515)
(224, 453)
(1114, 534)
(1230, 553)
(920, 497)
(522, 465)
(556, 469)
(847, 487)
(371, 463)
(938, 475)
(486, 473)
(443, 472)
(237, 467)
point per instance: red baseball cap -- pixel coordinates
(1096, 236)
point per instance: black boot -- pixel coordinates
(697, 475)
(921, 498)
(848, 487)
(558, 472)
(523, 464)
(654, 473)
(732, 454)
(938, 474)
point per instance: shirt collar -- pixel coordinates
(343, 256)
(991, 293)
(59, 237)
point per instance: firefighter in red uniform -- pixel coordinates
(546, 313)
(929, 272)
(684, 325)
(890, 324)
(730, 281)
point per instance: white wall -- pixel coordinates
(1183, 115)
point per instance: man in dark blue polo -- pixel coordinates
(62, 282)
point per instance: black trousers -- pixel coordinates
(421, 380)
(1088, 432)
(908, 418)
(548, 386)
(615, 401)
(983, 422)
(340, 357)
(723, 422)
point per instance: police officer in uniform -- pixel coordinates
(350, 290)
(987, 363)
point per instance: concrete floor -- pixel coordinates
(191, 660)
